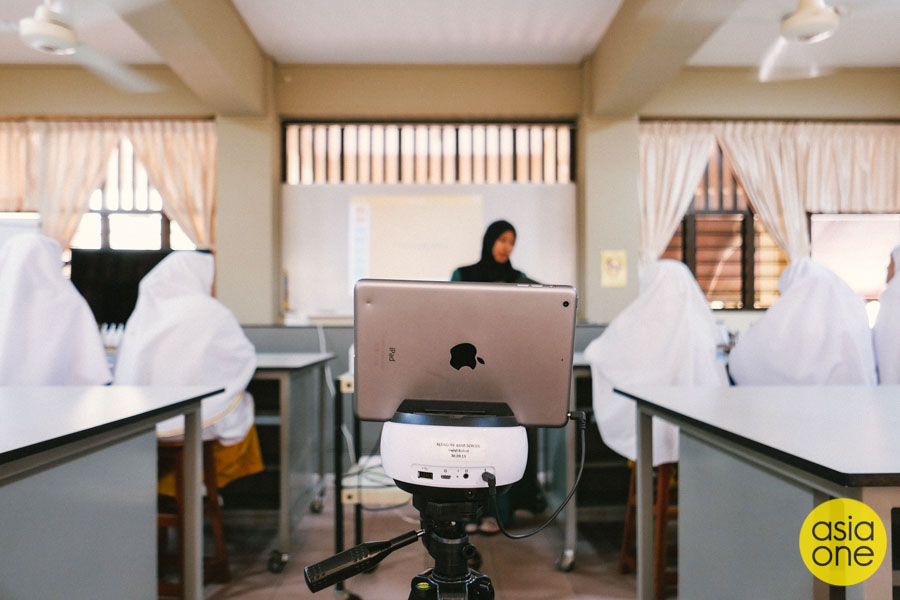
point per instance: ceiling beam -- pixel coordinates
(645, 47)
(208, 45)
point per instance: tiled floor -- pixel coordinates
(519, 569)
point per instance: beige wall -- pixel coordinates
(54, 91)
(611, 217)
(428, 92)
(248, 248)
(735, 94)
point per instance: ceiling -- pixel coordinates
(467, 32)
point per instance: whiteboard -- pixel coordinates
(414, 232)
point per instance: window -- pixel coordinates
(126, 211)
(428, 153)
(735, 261)
(856, 247)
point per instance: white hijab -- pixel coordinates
(886, 333)
(666, 336)
(48, 335)
(816, 332)
(179, 334)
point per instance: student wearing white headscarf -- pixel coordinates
(886, 332)
(816, 332)
(48, 335)
(667, 335)
(179, 334)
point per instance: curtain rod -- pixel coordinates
(858, 121)
(99, 119)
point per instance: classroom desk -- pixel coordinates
(753, 462)
(294, 487)
(78, 490)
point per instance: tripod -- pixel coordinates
(447, 542)
(443, 531)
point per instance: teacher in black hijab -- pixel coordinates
(499, 241)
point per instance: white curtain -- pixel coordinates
(853, 167)
(673, 158)
(66, 162)
(12, 166)
(180, 157)
(771, 159)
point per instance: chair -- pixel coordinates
(664, 512)
(171, 516)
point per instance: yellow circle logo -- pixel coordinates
(842, 541)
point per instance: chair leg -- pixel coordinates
(663, 513)
(627, 560)
(218, 569)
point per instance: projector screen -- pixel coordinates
(333, 235)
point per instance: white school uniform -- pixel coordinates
(48, 335)
(816, 332)
(667, 335)
(179, 334)
(886, 332)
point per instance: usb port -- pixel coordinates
(426, 475)
(445, 477)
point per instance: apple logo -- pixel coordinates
(464, 355)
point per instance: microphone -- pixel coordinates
(355, 560)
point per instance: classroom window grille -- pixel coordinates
(126, 211)
(428, 153)
(736, 262)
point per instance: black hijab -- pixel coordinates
(488, 269)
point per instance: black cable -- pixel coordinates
(491, 480)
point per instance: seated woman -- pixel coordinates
(886, 333)
(816, 332)
(496, 247)
(667, 335)
(179, 334)
(48, 335)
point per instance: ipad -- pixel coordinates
(485, 344)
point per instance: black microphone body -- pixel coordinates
(355, 560)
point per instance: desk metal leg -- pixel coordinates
(193, 510)
(339, 591)
(319, 500)
(357, 508)
(644, 486)
(880, 584)
(567, 558)
(284, 492)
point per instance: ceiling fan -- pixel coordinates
(789, 56)
(49, 31)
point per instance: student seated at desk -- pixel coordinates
(816, 332)
(179, 334)
(48, 335)
(886, 333)
(666, 336)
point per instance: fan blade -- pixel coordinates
(9, 27)
(117, 74)
(785, 61)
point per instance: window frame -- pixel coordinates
(572, 125)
